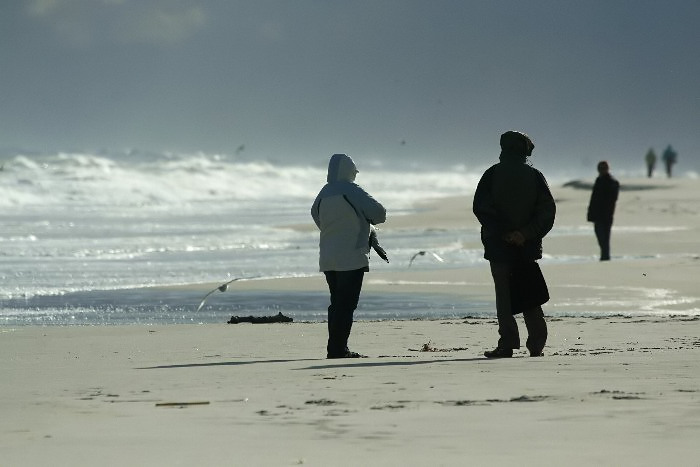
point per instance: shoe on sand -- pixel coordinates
(499, 352)
(347, 354)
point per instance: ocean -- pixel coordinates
(86, 239)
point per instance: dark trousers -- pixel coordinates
(509, 337)
(345, 287)
(602, 233)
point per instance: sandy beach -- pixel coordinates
(619, 384)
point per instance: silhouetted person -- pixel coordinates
(650, 159)
(344, 213)
(601, 207)
(669, 156)
(516, 210)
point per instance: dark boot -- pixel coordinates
(499, 352)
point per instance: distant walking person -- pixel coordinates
(344, 213)
(669, 156)
(516, 210)
(601, 207)
(650, 159)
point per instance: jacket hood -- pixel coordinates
(341, 168)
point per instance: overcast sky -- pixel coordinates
(295, 80)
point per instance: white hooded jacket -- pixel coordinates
(343, 212)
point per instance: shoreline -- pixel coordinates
(655, 248)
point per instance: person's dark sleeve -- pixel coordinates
(484, 206)
(594, 204)
(544, 214)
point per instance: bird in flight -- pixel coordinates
(423, 253)
(222, 288)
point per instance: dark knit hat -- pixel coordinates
(516, 143)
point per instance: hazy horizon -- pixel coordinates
(393, 80)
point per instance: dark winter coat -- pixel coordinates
(603, 198)
(512, 195)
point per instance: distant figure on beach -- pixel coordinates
(601, 207)
(650, 159)
(516, 210)
(344, 213)
(669, 156)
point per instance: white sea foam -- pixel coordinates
(76, 223)
(97, 181)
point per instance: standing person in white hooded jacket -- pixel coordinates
(344, 213)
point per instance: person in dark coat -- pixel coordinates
(650, 159)
(516, 210)
(601, 207)
(669, 156)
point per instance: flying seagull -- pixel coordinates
(222, 288)
(422, 253)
